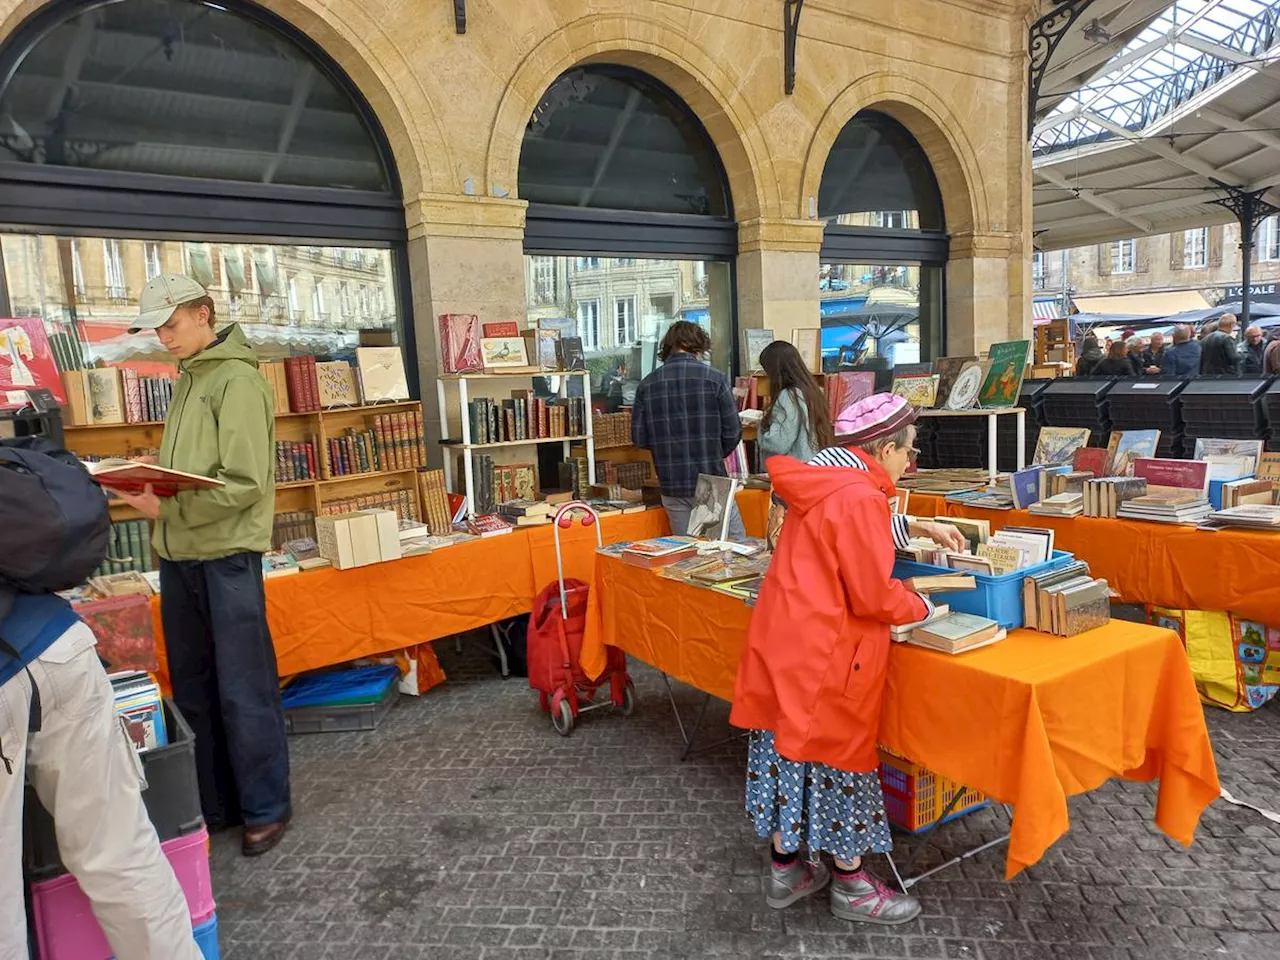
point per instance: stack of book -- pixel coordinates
(295, 461)
(525, 513)
(1065, 601)
(902, 633)
(1246, 490)
(1251, 516)
(1060, 505)
(129, 548)
(496, 483)
(488, 525)
(402, 502)
(659, 551)
(1104, 496)
(956, 633)
(574, 475)
(1177, 491)
(137, 703)
(1058, 483)
(398, 440)
(308, 385)
(294, 525)
(104, 395)
(631, 475)
(440, 516)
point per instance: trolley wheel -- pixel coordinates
(628, 698)
(562, 718)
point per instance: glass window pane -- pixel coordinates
(184, 89)
(877, 176)
(872, 311)
(86, 291)
(612, 138)
(621, 307)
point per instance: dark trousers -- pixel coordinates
(223, 669)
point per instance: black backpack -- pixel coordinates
(54, 523)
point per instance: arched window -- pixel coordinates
(141, 136)
(884, 248)
(630, 224)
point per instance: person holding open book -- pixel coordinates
(797, 423)
(221, 660)
(812, 674)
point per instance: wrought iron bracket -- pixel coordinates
(460, 15)
(791, 10)
(1045, 35)
(1247, 205)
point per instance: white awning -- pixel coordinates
(1046, 309)
(1144, 304)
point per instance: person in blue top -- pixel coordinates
(1183, 358)
(81, 763)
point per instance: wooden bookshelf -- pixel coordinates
(120, 439)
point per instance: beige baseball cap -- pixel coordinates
(161, 296)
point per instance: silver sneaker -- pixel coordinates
(864, 899)
(795, 881)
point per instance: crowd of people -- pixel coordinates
(1213, 350)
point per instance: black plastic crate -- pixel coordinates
(928, 458)
(1030, 398)
(960, 441)
(172, 799)
(1271, 409)
(346, 718)
(1225, 407)
(1079, 402)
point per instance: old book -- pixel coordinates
(540, 347)
(1058, 445)
(943, 583)
(1269, 466)
(1083, 607)
(1003, 378)
(488, 525)
(104, 396)
(948, 370)
(956, 632)
(460, 343)
(503, 353)
(1122, 490)
(970, 563)
(1025, 487)
(1247, 490)
(808, 343)
(974, 531)
(336, 384)
(920, 390)
(1227, 467)
(1229, 447)
(500, 328)
(1090, 460)
(1048, 621)
(569, 353)
(77, 408)
(1003, 558)
(1032, 585)
(382, 376)
(755, 340)
(1183, 474)
(129, 476)
(1126, 446)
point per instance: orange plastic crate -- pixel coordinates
(914, 796)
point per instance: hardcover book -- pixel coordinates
(756, 340)
(1126, 446)
(336, 383)
(948, 370)
(808, 343)
(968, 384)
(460, 343)
(104, 395)
(1187, 474)
(919, 390)
(1025, 486)
(382, 374)
(500, 328)
(129, 476)
(1003, 381)
(1058, 445)
(569, 353)
(27, 362)
(501, 353)
(1226, 447)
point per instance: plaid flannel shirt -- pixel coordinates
(685, 415)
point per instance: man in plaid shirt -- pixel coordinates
(685, 415)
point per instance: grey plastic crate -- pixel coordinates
(342, 719)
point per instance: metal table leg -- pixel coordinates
(907, 883)
(688, 736)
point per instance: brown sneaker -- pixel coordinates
(864, 899)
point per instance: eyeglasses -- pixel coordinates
(913, 452)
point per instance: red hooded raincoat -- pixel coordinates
(813, 669)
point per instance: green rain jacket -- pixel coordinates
(221, 424)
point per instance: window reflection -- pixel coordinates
(283, 295)
(889, 312)
(622, 306)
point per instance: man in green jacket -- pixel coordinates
(221, 660)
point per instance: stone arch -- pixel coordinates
(651, 46)
(937, 130)
(412, 129)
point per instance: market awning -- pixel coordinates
(1144, 304)
(1046, 309)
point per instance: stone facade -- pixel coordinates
(1210, 265)
(455, 107)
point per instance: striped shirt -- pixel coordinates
(844, 457)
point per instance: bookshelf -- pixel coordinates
(119, 439)
(460, 385)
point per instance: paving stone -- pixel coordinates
(465, 829)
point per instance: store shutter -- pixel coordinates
(1104, 259)
(1215, 246)
(1142, 255)
(1177, 250)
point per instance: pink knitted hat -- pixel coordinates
(873, 417)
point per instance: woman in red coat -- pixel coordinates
(812, 674)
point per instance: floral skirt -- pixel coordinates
(811, 803)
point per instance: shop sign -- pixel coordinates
(1267, 291)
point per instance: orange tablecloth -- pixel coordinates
(324, 617)
(1029, 721)
(1172, 566)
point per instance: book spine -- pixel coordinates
(419, 439)
(293, 383)
(403, 441)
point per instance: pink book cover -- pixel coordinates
(132, 395)
(126, 637)
(26, 361)
(1185, 474)
(460, 343)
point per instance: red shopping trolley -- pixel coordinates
(556, 628)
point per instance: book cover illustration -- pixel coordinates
(756, 341)
(808, 343)
(711, 502)
(500, 353)
(1003, 381)
(918, 390)
(569, 353)
(460, 342)
(1025, 486)
(1058, 445)
(949, 369)
(26, 360)
(848, 387)
(1227, 447)
(104, 395)
(1126, 446)
(1186, 474)
(382, 374)
(1090, 460)
(500, 328)
(964, 391)
(124, 630)
(336, 382)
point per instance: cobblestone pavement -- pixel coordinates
(465, 829)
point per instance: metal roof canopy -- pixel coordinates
(1186, 109)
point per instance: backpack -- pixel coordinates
(53, 517)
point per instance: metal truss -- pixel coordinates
(1046, 34)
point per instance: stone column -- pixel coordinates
(466, 255)
(778, 275)
(983, 306)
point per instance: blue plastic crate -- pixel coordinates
(997, 598)
(355, 685)
(207, 938)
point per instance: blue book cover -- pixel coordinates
(1025, 486)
